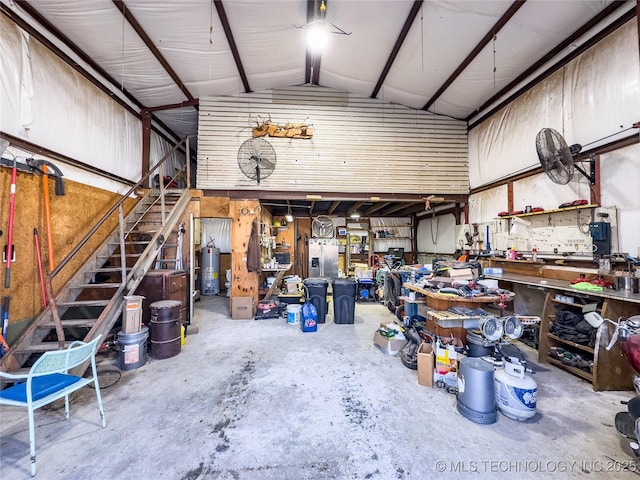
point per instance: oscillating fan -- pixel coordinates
(257, 159)
(322, 227)
(556, 157)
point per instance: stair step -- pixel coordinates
(96, 285)
(41, 347)
(117, 255)
(148, 221)
(167, 260)
(104, 270)
(129, 242)
(169, 245)
(76, 322)
(84, 303)
(135, 232)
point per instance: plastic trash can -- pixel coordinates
(317, 293)
(344, 300)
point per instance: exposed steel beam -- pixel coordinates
(27, 7)
(232, 44)
(188, 103)
(311, 5)
(85, 58)
(316, 57)
(53, 155)
(555, 67)
(515, 6)
(122, 8)
(396, 48)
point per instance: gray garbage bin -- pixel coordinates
(317, 294)
(344, 300)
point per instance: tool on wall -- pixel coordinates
(9, 252)
(40, 271)
(488, 240)
(5, 322)
(46, 168)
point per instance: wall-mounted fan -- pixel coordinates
(257, 159)
(322, 227)
(557, 158)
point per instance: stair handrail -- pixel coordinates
(104, 218)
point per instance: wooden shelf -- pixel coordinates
(576, 305)
(553, 210)
(576, 371)
(571, 344)
(610, 370)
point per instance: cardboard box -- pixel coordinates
(390, 346)
(242, 308)
(426, 363)
(446, 366)
(132, 314)
(461, 273)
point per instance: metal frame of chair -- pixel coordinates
(48, 380)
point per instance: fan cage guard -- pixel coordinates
(323, 223)
(555, 156)
(251, 154)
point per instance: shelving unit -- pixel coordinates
(554, 210)
(384, 237)
(610, 370)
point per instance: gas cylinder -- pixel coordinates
(516, 392)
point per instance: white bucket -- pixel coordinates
(294, 314)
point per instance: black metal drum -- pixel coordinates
(166, 328)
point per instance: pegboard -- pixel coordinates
(568, 231)
(554, 232)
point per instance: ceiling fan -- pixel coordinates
(257, 159)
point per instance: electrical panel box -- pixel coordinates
(601, 234)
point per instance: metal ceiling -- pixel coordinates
(463, 59)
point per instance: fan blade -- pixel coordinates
(257, 146)
(258, 173)
(267, 164)
(549, 140)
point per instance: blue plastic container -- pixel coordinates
(309, 321)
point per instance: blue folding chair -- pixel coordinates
(48, 380)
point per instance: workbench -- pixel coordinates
(444, 323)
(444, 301)
(280, 270)
(610, 370)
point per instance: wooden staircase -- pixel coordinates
(91, 302)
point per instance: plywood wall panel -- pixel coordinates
(242, 213)
(72, 216)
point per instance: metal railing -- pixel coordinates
(119, 203)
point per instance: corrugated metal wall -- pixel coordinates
(359, 144)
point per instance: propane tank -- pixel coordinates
(516, 392)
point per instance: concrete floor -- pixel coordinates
(262, 400)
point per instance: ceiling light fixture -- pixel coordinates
(319, 30)
(355, 215)
(288, 217)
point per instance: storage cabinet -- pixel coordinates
(609, 370)
(164, 285)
